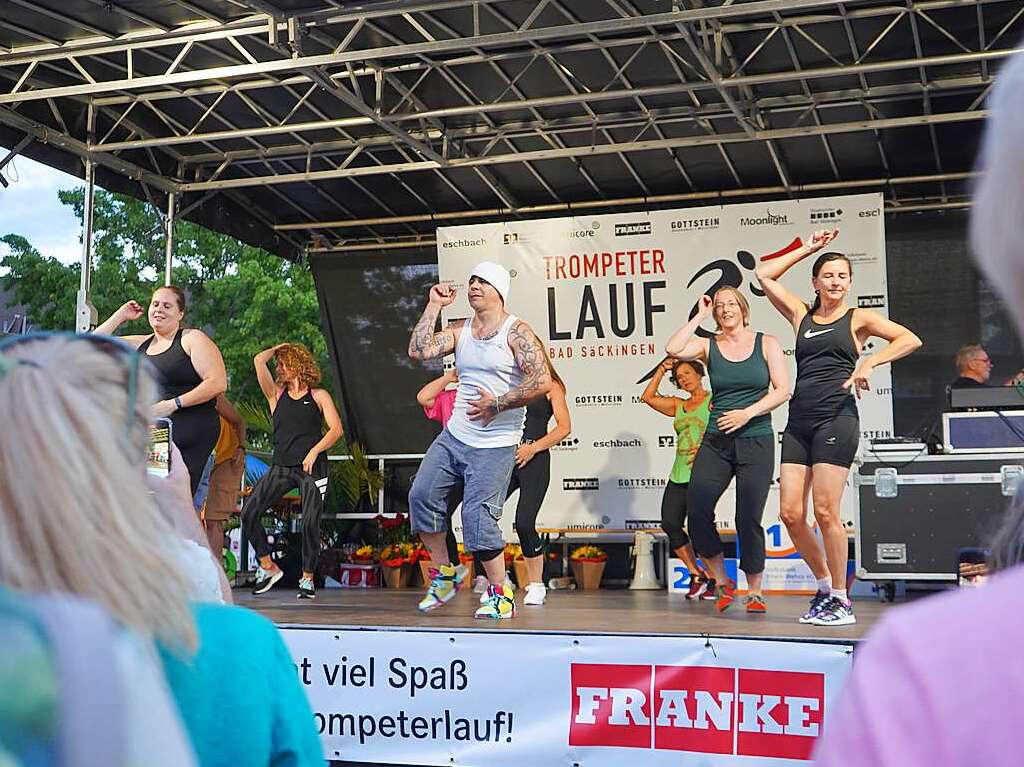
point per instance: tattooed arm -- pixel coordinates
(425, 344)
(531, 360)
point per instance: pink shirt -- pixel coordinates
(442, 408)
(939, 683)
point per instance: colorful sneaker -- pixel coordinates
(306, 589)
(536, 593)
(755, 604)
(265, 580)
(698, 587)
(480, 584)
(816, 602)
(711, 591)
(834, 612)
(461, 571)
(441, 589)
(500, 604)
(725, 596)
(486, 593)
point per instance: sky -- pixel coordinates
(29, 207)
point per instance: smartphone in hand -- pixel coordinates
(158, 462)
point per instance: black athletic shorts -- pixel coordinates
(832, 441)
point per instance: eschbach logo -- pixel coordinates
(618, 443)
(667, 440)
(465, 243)
(641, 483)
(598, 400)
(768, 219)
(697, 224)
(699, 709)
(581, 483)
(636, 227)
(873, 213)
(870, 302)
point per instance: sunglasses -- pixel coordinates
(115, 347)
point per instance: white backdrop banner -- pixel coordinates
(486, 698)
(605, 292)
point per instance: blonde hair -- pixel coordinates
(740, 299)
(76, 513)
(966, 356)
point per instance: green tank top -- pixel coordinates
(690, 426)
(736, 385)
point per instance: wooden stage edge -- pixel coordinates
(607, 611)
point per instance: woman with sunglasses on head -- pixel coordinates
(189, 369)
(748, 380)
(823, 432)
(690, 420)
(79, 516)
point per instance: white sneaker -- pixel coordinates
(535, 594)
(480, 584)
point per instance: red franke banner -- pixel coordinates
(700, 709)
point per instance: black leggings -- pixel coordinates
(532, 482)
(195, 431)
(673, 514)
(271, 486)
(720, 458)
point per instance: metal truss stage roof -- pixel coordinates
(330, 125)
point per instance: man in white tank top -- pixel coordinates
(501, 367)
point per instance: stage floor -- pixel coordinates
(604, 612)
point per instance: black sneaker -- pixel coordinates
(816, 602)
(265, 580)
(306, 589)
(835, 612)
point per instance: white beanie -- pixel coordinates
(496, 274)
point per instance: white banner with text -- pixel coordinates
(486, 698)
(604, 293)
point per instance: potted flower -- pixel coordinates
(364, 555)
(396, 560)
(588, 566)
(361, 570)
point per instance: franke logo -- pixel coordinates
(637, 227)
(768, 219)
(465, 243)
(734, 711)
(581, 483)
(870, 302)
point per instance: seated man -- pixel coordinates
(973, 367)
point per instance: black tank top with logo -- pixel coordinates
(826, 355)
(175, 373)
(298, 425)
(538, 413)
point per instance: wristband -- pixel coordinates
(177, 402)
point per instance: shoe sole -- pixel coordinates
(439, 603)
(723, 605)
(848, 621)
(757, 611)
(269, 585)
(305, 596)
(496, 617)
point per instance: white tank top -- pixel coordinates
(490, 366)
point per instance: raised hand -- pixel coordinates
(442, 294)
(705, 307)
(821, 238)
(131, 311)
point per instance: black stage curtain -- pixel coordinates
(935, 290)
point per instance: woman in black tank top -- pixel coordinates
(299, 411)
(821, 438)
(189, 368)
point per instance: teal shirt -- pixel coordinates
(239, 696)
(736, 385)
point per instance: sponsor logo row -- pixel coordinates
(823, 215)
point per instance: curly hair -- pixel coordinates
(695, 366)
(300, 363)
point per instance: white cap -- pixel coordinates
(496, 274)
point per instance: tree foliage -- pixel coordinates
(245, 298)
